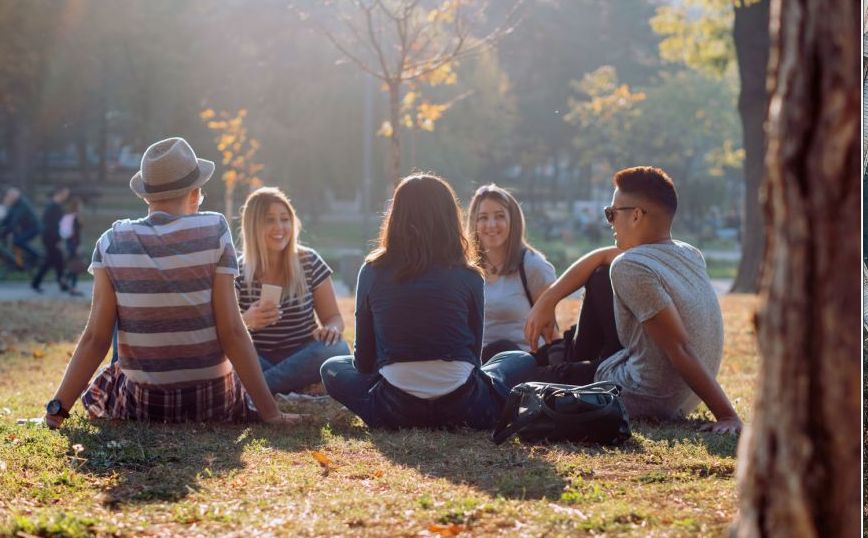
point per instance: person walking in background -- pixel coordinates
(290, 343)
(70, 232)
(168, 281)
(51, 240)
(22, 223)
(515, 272)
(419, 316)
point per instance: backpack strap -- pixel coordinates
(512, 420)
(523, 275)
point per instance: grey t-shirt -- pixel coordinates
(506, 305)
(646, 279)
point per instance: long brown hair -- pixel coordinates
(516, 241)
(256, 255)
(423, 228)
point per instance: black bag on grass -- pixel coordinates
(551, 412)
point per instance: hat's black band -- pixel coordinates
(184, 182)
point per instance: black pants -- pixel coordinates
(53, 260)
(596, 335)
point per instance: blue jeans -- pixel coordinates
(301, 368)
(476, 404)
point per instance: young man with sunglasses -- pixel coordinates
(650, 319)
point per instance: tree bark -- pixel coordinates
(799, 459)
(751, 35)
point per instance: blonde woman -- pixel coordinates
(515, 272)
(291, 344)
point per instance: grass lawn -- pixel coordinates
(333, 476)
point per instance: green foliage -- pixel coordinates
(698, 33)
(685, 124)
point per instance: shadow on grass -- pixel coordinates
(166, 462)
(686, 431)
(469, 458)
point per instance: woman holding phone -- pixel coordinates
(419, 309)
(281, 286)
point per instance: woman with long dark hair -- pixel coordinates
(419, 315)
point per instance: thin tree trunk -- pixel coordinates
(229, 201)
(394, 140)
(751, 35)
(102, 136)
(799, 459)
(81, 150)
(20, 152)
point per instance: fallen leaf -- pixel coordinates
(378, 473)
(453, 529)
(38, 353)
(323, 460)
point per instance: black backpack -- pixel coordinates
(552, 412)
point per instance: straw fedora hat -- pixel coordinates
(169, 169)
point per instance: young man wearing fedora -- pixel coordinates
(650, 319)
(167, 280)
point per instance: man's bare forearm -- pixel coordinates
(701, 382)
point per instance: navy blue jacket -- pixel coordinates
(21, 218)
(436, 315)
(51, 223)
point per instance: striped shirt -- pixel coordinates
(296, 324)
(162, 268)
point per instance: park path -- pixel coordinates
(20, 291)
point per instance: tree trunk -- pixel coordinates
(799, 459)
(229, 201)
(751, 35)
(21, 150)
(102, 136)
(81, 151)
(394, 140)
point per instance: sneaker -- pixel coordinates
(36, 288)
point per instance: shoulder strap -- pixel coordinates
(523, 275)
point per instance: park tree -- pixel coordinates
(557, 42)
(28, 29)
(683, 123)
(709, 35)
(799, 458)
(602, 109)
(473, 140)
(237, 150)
(407, 45)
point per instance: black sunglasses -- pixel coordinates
(609, 211)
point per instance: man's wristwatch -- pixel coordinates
(55, 409)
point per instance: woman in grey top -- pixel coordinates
(515, 272)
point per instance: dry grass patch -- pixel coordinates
(201, 480)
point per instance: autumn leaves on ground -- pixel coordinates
(333, 476)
